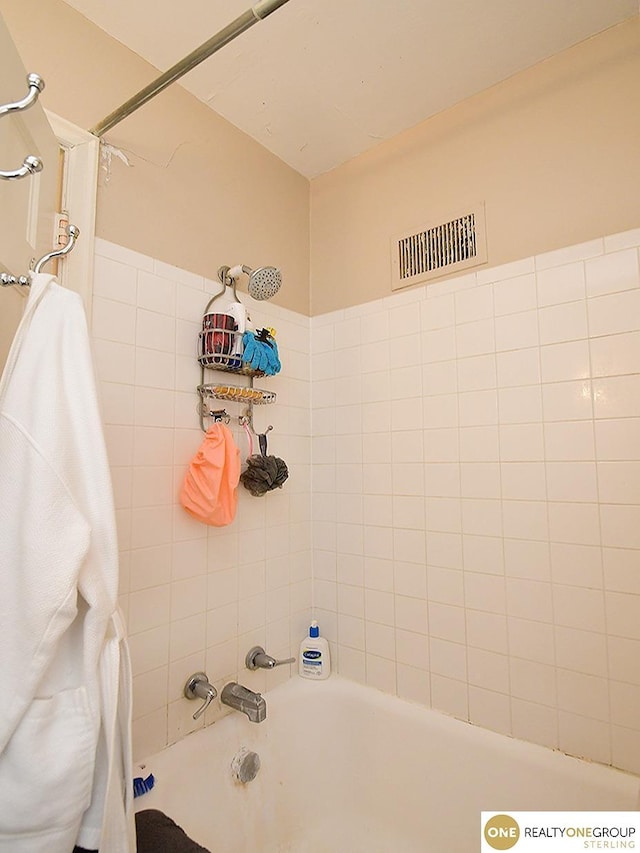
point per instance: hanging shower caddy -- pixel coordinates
(220, 349)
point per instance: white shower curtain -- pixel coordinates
(65, 694)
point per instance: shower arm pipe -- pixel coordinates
(258, 12)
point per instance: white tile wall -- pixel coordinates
(476, 496)
(196, 597)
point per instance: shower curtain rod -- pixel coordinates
(256, 13)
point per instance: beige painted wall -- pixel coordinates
(10, 314)
(200, 193)
(553, 151)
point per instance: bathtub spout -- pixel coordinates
(242, 699)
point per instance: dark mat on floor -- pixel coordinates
(157, 833)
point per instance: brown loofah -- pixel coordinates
(263, 474)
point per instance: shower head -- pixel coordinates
(264, 282)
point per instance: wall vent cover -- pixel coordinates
(452, 243)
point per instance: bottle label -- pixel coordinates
(312, 662)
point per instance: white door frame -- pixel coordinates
(80, 187)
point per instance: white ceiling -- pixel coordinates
(320, 81)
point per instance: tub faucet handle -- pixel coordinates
(198, 687)
(258, 659)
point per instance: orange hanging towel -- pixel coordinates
(210, 488)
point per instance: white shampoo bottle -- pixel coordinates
(314, 660)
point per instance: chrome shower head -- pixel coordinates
(264, 282)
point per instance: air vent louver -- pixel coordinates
(455, 243)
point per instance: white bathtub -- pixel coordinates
(346, 769)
